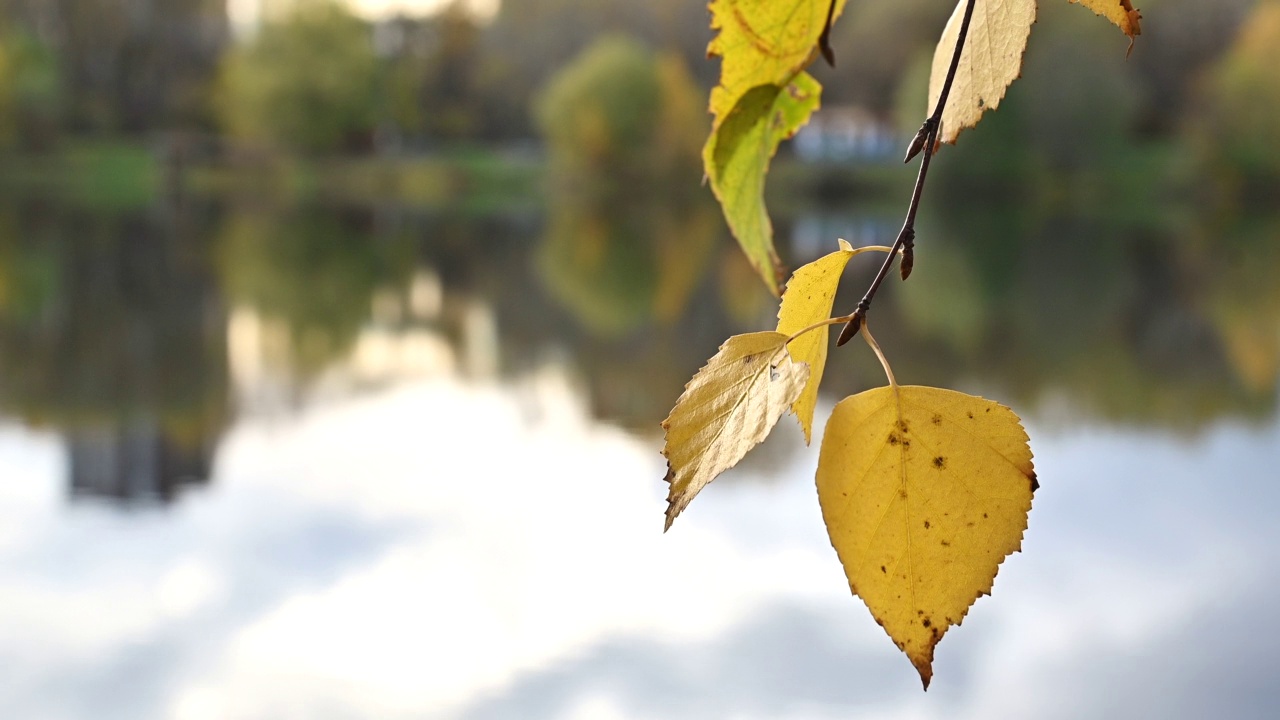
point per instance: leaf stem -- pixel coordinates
(926, 139)
(843, 318)
(884, 362)
(819, 325)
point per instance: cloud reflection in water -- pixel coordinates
(440, 550)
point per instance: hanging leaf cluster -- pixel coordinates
(924, 491)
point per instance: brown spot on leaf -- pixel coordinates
(940, 462)
(883, 570)
(937, 419)
(970, 416)
(893, 439)
(902, 425)
(902, 494)
(984, 516)
(927, 622)
(926, 524)
(946, 544)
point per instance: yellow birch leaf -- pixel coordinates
(990, 62)
(727, 408)
(737, 156)
(810, 294)
(924, 493)
(762, 42)
(1120, 12)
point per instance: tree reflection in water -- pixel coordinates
(140, 335)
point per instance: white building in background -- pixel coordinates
(847, 133)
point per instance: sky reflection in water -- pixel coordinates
(340, 565)
(448, 519)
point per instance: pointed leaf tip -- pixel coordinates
(924, 493)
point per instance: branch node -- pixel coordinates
(856, 320)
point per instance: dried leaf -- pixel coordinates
(728, 408)
(990, 62)
(1120, 12)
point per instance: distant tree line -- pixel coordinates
(321, 80)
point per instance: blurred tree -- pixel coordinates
(129, 65)
(308, 82)
(529, 40)
(30, 94)
(1182, 42)
(433, 69)
(1242, 108)
(619, 115)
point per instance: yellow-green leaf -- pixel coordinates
(810, 294)
(990, 62)
(737, 157)
(728, 408)
(924, 493)
(1120, 12)
(763, 42)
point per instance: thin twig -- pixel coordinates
(925, 140)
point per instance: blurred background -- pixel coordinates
(335, 338)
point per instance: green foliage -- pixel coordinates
(30, 93)
(1244, 109)
(308, 83)
(620, 114)
(432, 80)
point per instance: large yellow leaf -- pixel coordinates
(763, 42)
(737, 157)
(991, 61)
(924, 493)
(728, 408)
(810, 295)
(1120, 12)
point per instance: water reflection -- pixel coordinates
(141, 335)
(422, 497)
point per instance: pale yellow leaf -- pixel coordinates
(1120, 12)
(728, 408)
(924, 493)
(990, 62)
(810, 295)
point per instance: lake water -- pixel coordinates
(262, 461)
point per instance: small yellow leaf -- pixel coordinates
(1120, 12)
(990, 62)
(924, 493)
(810, 295)
(728, 408)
